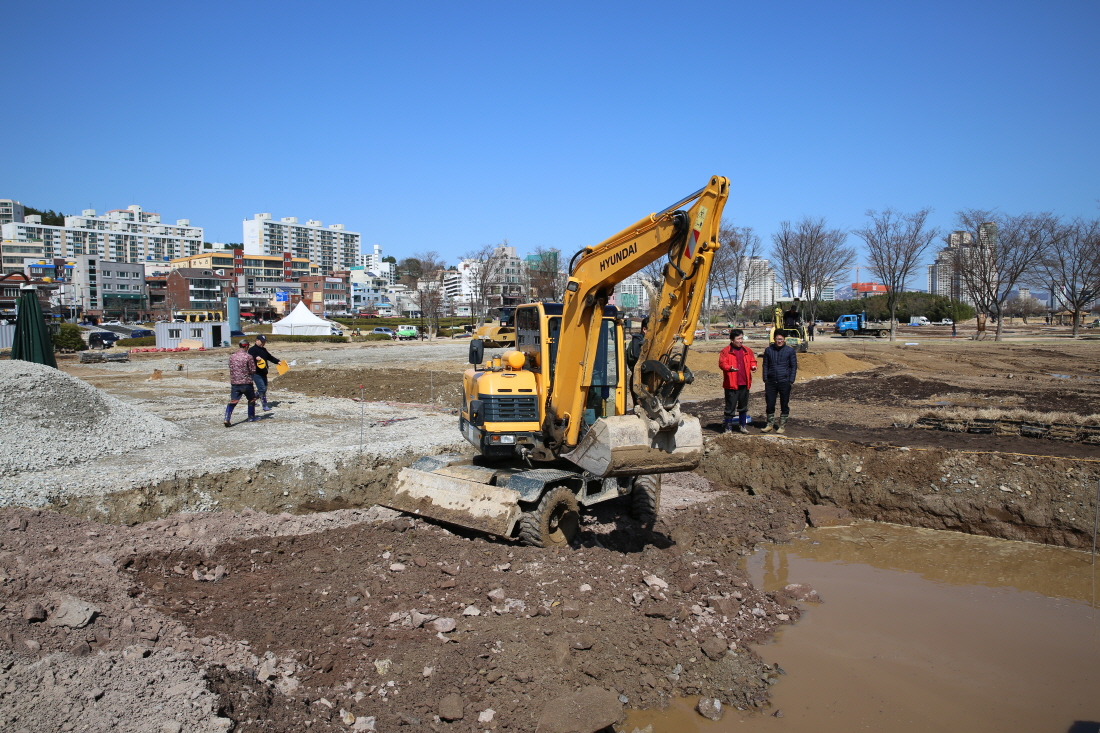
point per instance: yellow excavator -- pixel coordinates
(791, 324)
(499, 331)
(561, 421)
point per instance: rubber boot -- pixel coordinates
(229, 414)
(742, 420)
(770, 426)
(252, 412)
(263, 399)
(782, 424)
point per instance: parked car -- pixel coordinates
(383, 330)
(113, 322)
(407, 333)
(102, 339)
(139, 333)
(336, 331)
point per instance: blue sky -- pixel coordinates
(445, 126)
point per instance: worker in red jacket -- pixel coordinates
(737, 363)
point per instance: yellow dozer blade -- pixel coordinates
(624, 445)
(456, 494)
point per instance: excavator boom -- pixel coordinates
(657, 438)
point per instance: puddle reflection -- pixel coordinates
(925, 631)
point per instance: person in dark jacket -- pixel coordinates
(634, 348)
(779, 372)
(264, 360)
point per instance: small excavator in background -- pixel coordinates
(791, 324)
(560, 421)
(499, 331)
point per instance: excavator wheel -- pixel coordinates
(554, 522)
(646, 498)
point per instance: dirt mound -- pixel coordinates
(827, 364)
(49, 418)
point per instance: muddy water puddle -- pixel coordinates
(923, 630)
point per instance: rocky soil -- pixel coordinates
(335, 620)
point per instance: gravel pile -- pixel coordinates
(49, 418)
(120, 690)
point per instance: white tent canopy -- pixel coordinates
(300, 322)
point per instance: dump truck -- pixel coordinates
(858, 325)
(560, 421)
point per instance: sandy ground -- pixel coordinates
(350, 619)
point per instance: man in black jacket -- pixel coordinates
(264, 360)
(779, 372)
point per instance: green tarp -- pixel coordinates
(32, 339)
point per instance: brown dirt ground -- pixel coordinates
(322, 600)
(316, 598)
(862, 406)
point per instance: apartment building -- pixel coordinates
(10, 210)
(631, 295)
(14, 253)
(373, 263)
(331, 248)
(121, 235)
(758, 284)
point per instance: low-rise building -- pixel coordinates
(198, 289)
(327, 295)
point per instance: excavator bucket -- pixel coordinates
(623, 445)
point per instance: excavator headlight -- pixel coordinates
(504, 439)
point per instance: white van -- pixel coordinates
(919, 321)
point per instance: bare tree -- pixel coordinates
(1024, 308)
(728, 270)
(733, 273)
(544, 270)
(809, 257)
(1001, 252)
(896, 243)
(486, 273)
(1071, 266)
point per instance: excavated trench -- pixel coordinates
(298, 487)
(1043, 499)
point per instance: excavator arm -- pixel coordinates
(688, 238)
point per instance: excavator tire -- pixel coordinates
(646, 499)
(554, 522)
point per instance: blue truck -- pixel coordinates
(858, 325)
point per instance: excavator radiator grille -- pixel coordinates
(509, 409)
